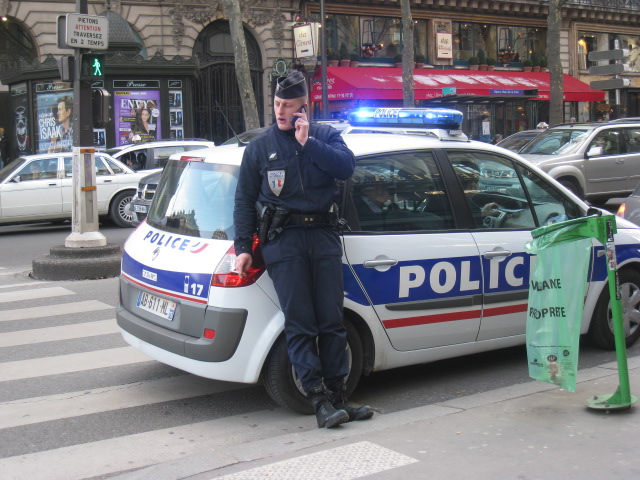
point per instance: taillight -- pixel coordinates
(621, 209)
(225, 276)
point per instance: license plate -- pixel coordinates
(156, 305)
(140, 208)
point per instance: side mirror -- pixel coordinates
(16, 179)
(594, 151)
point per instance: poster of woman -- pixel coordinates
(137, 116)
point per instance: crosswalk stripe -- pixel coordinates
(54, 407)
(75, 362)
(104, 457)
(34, 294)
(51, 310)
(54, 334)
(28, 284)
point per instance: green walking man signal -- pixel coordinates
(92, 67)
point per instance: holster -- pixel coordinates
(278, 222)
(265, 213)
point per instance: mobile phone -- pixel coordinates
(300, 110)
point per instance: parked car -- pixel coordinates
(629, 209)
(430, 277)
(39, 188)
(518, 140)
(596, 161)
(154, 154)
(144, 194)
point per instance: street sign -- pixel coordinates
(611, 84)
(617, 54)
(612, 69)
(448, 91)
(87, 31)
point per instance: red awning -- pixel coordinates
(375, 83)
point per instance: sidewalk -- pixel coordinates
(529, 431)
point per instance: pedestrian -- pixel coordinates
(4, 149)
(496, 139)
(291, 169)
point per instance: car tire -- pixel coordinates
(282, 384)
(572, 186)
(601, 329)
(120, 209)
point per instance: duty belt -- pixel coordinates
(308, 219)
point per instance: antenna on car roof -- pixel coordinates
(240, 142)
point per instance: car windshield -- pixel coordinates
(195, 199)
(556, 142)
(517, 141)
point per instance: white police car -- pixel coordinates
(434, 263)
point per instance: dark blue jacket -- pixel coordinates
(310, 174)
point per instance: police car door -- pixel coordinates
(505, 201)
(420, 275)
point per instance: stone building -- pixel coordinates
(176, 57)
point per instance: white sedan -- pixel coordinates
(39, 188)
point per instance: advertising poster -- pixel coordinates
(21, 122)
(54, 113)
(136, 115)
(175, 112)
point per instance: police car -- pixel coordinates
(434, 263)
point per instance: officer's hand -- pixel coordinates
(243, 263)
(302, 127)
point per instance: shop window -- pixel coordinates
(587, 42)
(471, 39)
(631, 43)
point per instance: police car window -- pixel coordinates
(492, 189)
(398, 193)
(549, 205)
(195, 199)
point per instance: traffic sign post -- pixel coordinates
(615, 83)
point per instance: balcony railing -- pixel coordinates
(607, 4)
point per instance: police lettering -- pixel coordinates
(548, 312)
(444, 276)
(163, 240)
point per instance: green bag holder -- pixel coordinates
(601, 228)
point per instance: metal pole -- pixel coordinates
(323, 48)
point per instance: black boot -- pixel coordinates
(327, 416)
(338, 400)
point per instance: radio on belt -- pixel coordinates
(444, 120)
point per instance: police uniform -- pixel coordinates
(304, 259)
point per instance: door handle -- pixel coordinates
(107, 181)
(496, 253)
(53, 184)
(619, 162)
(379, 263)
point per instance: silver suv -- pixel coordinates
(596, 161)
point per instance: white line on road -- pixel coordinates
(28, 284)
(51, 310)
(66, 405)
(55, 334)
(75, 362)
(34, 294)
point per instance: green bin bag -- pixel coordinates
(556, 300)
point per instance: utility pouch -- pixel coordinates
(265, 216)
(280, 217)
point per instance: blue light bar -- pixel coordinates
(417, 117)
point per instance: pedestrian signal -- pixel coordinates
(92, 67)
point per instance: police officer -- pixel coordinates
(292, 168)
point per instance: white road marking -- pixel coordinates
(75, 362)
(51, 310)
(20, 296)
(54, 334)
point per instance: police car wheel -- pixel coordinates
(282, 383)
(601, 329)
(120, 210)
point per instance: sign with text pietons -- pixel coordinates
(87, 31)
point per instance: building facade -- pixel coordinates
(176, 59)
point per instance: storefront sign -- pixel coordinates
(54, 114)
(174, 83)
(505, 92)
(444, 45)
(136, 84)
(136, 115)
(304, 41)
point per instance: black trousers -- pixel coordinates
(305, 265)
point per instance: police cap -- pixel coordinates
(292, 86)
